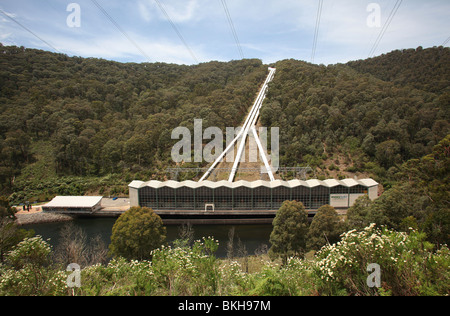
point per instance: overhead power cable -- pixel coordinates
(446, 41)
(29, 31)
(121, 30)
(175, 28)
(233, 29)
(385, 27)
(316, 32)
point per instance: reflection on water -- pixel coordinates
(252, 236)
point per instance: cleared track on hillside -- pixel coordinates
(249, 126)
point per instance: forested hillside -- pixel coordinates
(71, 125)
(423, 69)
(347, 118)
(75, 117)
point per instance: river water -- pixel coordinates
(252, 236)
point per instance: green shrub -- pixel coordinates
(29, 271)
(136, 233)
(408, 264)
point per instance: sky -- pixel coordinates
(270, 30)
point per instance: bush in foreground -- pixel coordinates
(409, 266)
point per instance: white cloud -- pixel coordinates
(145, 11)
(119, 48)
(267, 29)
(179, 11)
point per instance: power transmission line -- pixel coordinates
(29, 31)
(316, 33)
(446, 41)
(385, 27)
(233, 29)
(121, 30)
(176, 30)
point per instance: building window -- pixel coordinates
(302, 194)
(185, 199)
(320, 196)
(147, 198)
(280, 195)
(243, 199)
(223, 198)
(340, 189)
(262, 198)
(359, 189)
(166, 199)
(203, 196)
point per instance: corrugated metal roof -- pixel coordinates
(297, 183)
(314, 183)
(330, 183)
(243, 183)
(279, 183)
(192, 184)
(136, 184)
(74, 202)
(368, 183)
(350, 182)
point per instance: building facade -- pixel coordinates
(248, 196)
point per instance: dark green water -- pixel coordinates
(252, 236)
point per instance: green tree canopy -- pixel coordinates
(6, 211)
(290, 227)
(325, 228)
(420, 198)
(136, 233)
(357, 215)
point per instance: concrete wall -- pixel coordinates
(134, 197)
(373, 193)
(97, 207)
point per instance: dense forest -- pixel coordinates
(362, 122)
(74, 118)
(71, 125)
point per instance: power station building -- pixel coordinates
(248, 196)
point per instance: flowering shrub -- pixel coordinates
(233, 281)
(292, 279)
(120, 277)
(172, 271)
(408, 265)
(187, 271)
(28, 271)
(31, 251)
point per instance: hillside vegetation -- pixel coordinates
(71, 125)
(106, 121)
(367, 116)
